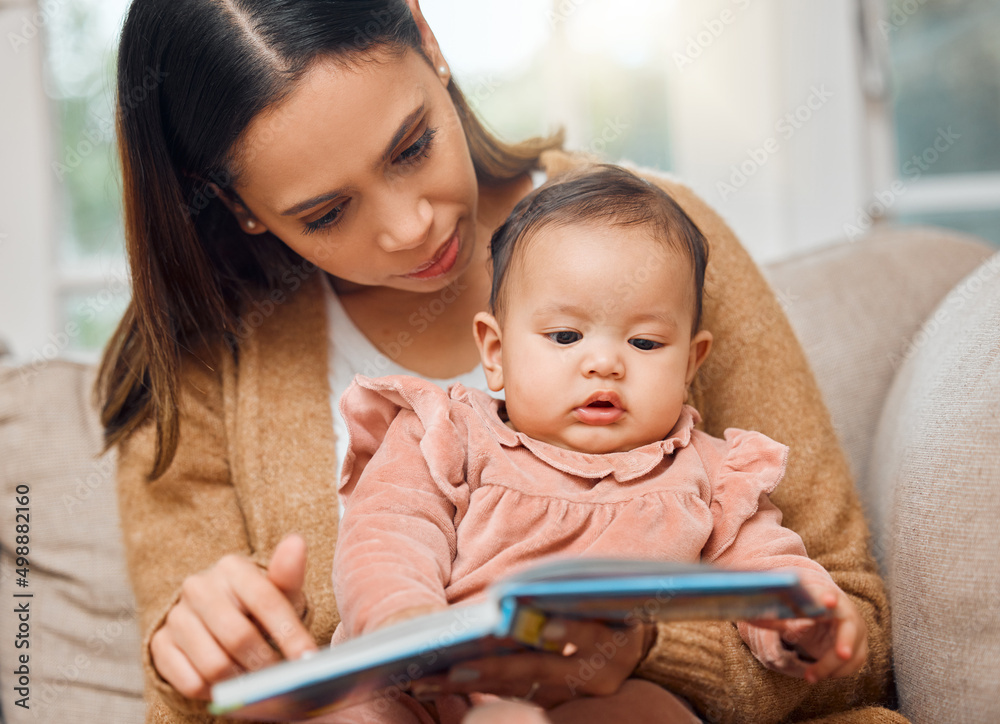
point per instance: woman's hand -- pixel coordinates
(217, 629)
(595, 659)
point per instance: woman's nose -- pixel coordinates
(403, 228)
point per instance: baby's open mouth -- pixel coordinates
(602, 408)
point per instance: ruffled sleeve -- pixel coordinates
(404, 488)
(749, 467)
(748, 533)
(370, 405)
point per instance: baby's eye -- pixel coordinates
(645, 344)
(564, 337)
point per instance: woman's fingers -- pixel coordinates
(287, 569)
(176, 668)
(224, 617)
(276, 616)
(221, 625)
(596, 661)
(211, 661)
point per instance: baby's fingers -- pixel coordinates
(845, 657)
(847, 639)
(854, 663)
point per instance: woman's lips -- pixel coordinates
(442, 262)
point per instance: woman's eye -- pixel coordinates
(645, 344)
(420, 148)
(417, 151)
(329, 219)
(564, 337)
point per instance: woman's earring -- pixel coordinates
(251, 224)
(443, 69)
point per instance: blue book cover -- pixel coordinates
(614, 591)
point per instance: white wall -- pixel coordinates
(27, 185)
(768, 118)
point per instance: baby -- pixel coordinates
(594, 336)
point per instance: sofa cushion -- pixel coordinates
(84, 638)
(855, 307)
(937, 451)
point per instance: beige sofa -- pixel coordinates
(903, 329)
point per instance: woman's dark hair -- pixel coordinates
(597, 192)
(192, 75)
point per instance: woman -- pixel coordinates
(305, 181)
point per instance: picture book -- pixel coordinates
(510, 619)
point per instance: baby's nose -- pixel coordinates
(605, 363)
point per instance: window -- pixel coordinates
(767, 110)
(945, 71)
(587, 65)
(91, 281)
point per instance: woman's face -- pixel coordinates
(364, 170)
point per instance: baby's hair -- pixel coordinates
(597, 192)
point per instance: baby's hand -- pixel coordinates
(837, 646)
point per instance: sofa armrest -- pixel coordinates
(937, 456)
(84, 635)
(855, 307)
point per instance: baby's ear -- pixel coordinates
(486, 330)
(701, 344)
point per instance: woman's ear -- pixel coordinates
(430, 44)
(701, 344)
(247, 221)
(486, 330)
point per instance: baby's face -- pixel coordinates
(595, 352)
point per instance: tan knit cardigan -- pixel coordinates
(256, 460)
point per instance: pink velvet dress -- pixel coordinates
(443, 498)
